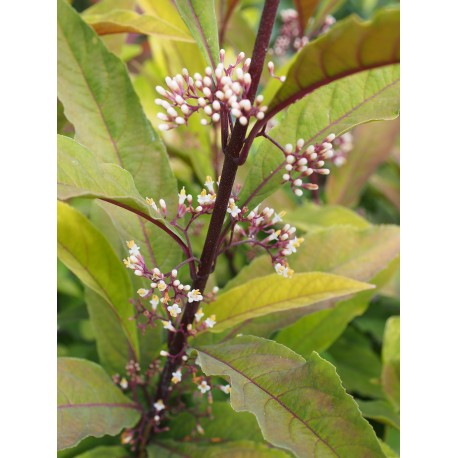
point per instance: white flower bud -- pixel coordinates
(302, 161)
(290, 159)
(243, 120)
(162, 116)
(164, 127)
(208, 110)
(215, 117)
(260, 115)
(298, 192)
(179, 120)
(216, 105)
(174, 273)
(161, 90)
(300, 143)
(208, 81)
(330, 138)
(289, 148)
(286, 177)
(288, 167)
(201, 101)
(185, 109)
(297, 182)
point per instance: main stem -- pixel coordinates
(209, 253)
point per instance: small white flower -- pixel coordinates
(176, 376)
(164, 353)
(203, 387)
(194, 296)
(225, 389)
(161, 286)
(142, 292)
(159, 405)
(284, 271)
(206, 199)
(210, 322)
(124, 384)
(232, 208)
(133, 248)
(182, 196)
(168, 325)
(209, 183)
(150, 201)
(174, 310)
(198, 315)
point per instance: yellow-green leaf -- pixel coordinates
(273, 293)
(391, 371)
(86, 252)
(125, 21)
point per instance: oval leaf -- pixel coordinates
(125, 21)
(351, 46)
(86, 252)
(300, 405)
(99, 100)
(200, 17)
(88, 403)
(273, 293)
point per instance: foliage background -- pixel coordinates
(373, 199)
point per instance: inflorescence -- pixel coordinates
(290, 37)
(302, 162)
(219, 92)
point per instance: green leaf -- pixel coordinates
(357, 364)
(381, 411)
(113, 346)
(86, 252)
(300, 405)
(311, 217)
(224, 425)
(391, 360)
(80, 174)
(243, 449)
(125, 21)
(373, 144)
(336, 108)
(387, 450)
(350, 47)
(100, 102)
(88, 403)
(104, 452)
(305, 9)
(200, 17)
(273, 293)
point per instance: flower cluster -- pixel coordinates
(166, 291)
(259, 230)
(342, 146)
(301, 163)
(219, 92)
(290, 37)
